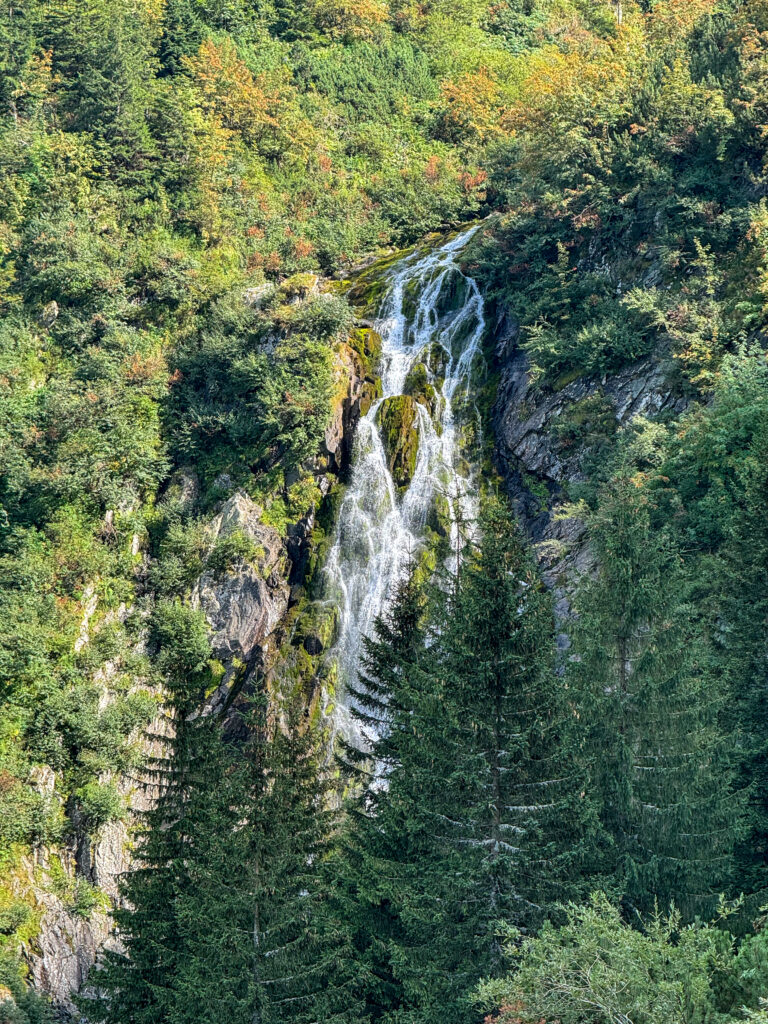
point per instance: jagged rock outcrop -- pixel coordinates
(357, 387)
(71, 934)
(244, 605)
(540, 454)
(65, 948)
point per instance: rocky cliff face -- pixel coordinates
(544, 436)
(245, 605)
(70, 889)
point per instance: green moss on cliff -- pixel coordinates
(397, 419)
(419, 386)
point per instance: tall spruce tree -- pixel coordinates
(377, 841)
(224, 918)
(744, 656)
(477, 820)
(137, 985)
(647, 718)
(303, 967)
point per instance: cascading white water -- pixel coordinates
(378, 531)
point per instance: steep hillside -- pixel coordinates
(203, 206)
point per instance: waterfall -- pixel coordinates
(429, 303)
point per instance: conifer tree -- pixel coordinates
(647, 720)
(224, 919)
(137, 984)
(744, 657)
(377, 842)
(303, 967)
(477, 819)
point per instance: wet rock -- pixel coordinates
(398, 420)
(356, 390)
(419, 386)
(243, 608)
(319, 628)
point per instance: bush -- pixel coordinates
(598, 968)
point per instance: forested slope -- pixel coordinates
(174, 176)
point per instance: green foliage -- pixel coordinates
(398, 421)
(77, 894)
(226, 911)
(20, 1005)
(647, 715)
(98, 804)
(173, 176)
(632, 228)
(597, 967)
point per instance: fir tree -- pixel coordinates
(137, 984)
(366, 867)
(224, 917)
(744, 656)
(477, 820)
(302, 967)
(647, 720)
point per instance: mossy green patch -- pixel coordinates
(317, 627)
(419, 386)
(369, 286)
(397, 419)
(298, 285)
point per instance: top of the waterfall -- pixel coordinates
(434, 255)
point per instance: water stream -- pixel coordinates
(432, 314)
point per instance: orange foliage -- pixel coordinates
(142, 368)
(432, 169)
(357, 19)
(303, 248)
(241, 102)
(569, 96)
(472, 182)
(473, 104)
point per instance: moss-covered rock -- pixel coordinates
(367, 343)
(369, 285)
(454, 293)
(419, 386)
(299, 286)
(318, 627)
(439, 518)
(398, 419)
